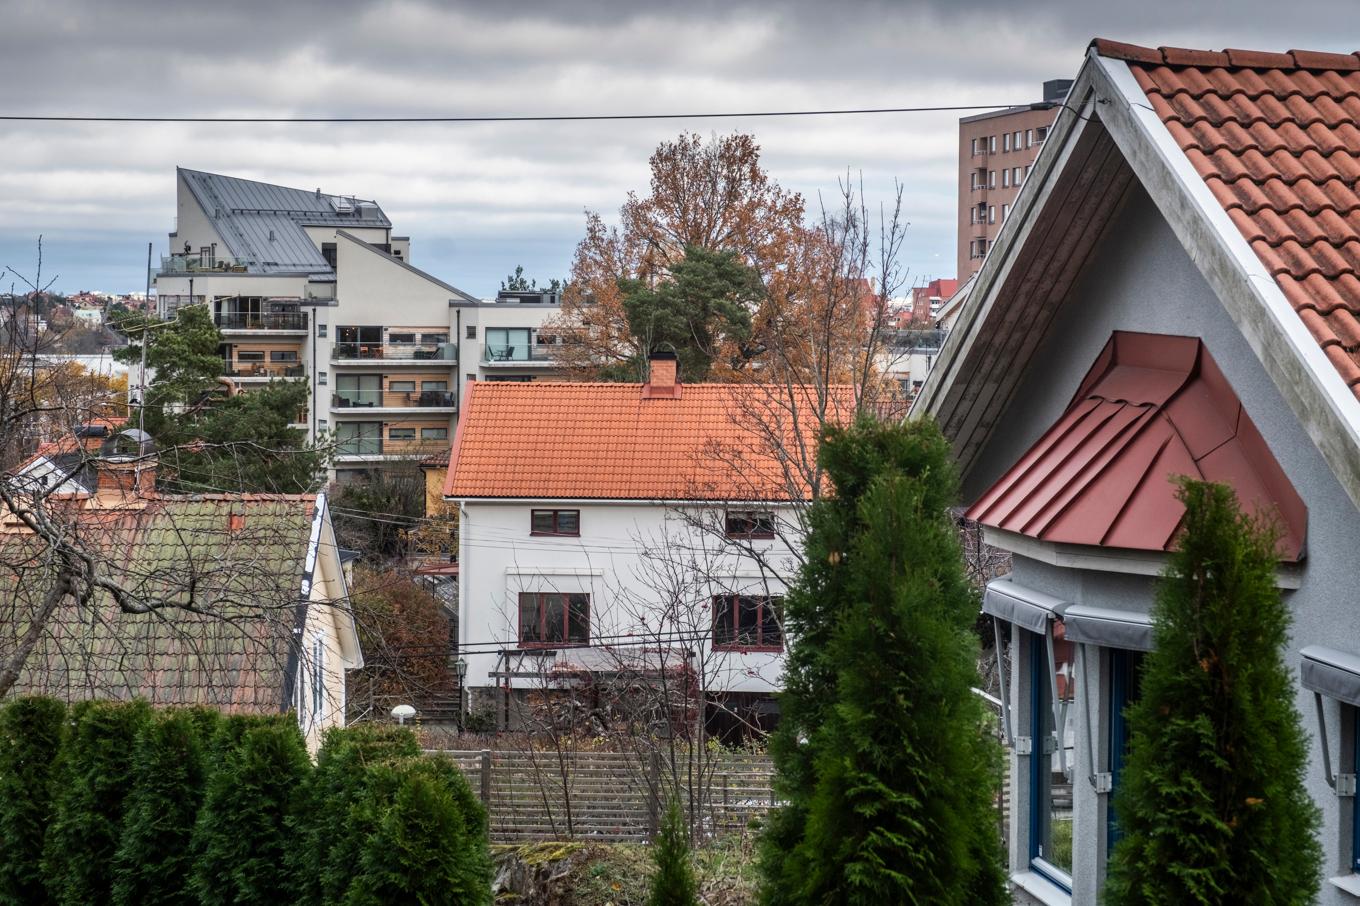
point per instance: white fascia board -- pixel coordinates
(1309, 383)
(607, 501)
(977, 306)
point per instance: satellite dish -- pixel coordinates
(403, 713)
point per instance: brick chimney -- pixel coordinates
(662, 383)
(126, 478)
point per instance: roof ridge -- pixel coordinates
(1228, 58)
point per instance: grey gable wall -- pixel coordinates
(1141, 279)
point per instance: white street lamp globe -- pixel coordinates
(403, 713)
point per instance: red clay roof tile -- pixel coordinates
(1274, 136)
(1151, 408)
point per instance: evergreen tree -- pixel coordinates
(881, 751)
(94, 778)
(673, 883)
(427, 842)
(169, 771)
(1211, 800)
(241, 836)
(325, 856)
(30, 739)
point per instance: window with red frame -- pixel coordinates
(553, 618)
(555, 522)
(750, 524)
(748, 622)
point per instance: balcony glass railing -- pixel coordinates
(269, 320)
(204, 264)
(420, 352)
(262, 370)
(520, 352)
(376, 446)
(394, 399)
(359, 446)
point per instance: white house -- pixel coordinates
(609, 529)
(1174, 293)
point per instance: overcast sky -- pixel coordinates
(478, 199)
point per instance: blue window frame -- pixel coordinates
(1125, 669)
(1050, 828)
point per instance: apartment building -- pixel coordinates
(996, 151)
(312, 286)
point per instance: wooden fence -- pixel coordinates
(612, 796)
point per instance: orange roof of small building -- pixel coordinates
(563, 441)
(1275, 137)
(1152, 408)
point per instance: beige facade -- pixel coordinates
(996, 151)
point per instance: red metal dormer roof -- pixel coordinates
(1151, 408)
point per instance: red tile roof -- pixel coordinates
(548, 440)
(1151, 408)
(1275, 137)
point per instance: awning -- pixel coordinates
(1108, 628)
(1025, 607)
(1335, 674)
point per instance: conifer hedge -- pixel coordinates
(1211, 803)
(30, 739)
(116, 803)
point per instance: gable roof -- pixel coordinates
(1107, 137)
(248, 561)
(1274, 136)
(262, 223)
(568, 441)
(1152, 408)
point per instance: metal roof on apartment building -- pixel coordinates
(262, 224)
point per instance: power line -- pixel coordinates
(577, 118)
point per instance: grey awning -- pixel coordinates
(1109, 628)
(1335, 674)
(1025, 607)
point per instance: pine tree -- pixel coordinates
(1212, 802)
(325, 856)
(94, 778)
(169, 772)
(426, 840)
(241, 836)
(673, 882)
(30, 738)
(881, 753)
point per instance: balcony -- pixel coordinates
(269, 320)
(367, 447)
(520, 353)
(390, 399)
(203, 264)
(262, 370)
(394, 352)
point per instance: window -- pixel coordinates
(551, 618)
(437, 386)
(1029, 138)
(1040, 135)
(249, 355)
(750, 524)
(434, 338)
(321, 424)
(507, 344)
(401, 386)
(358, 390)
(1027, 172)
(471, 332)
(1125, 671)
(1005, 179)
(321, 378)
(434, 433)
(991, 143)
(283, 355)
(1015, 177)
(321, 330)
(358, 438)
(329, 253)
(318, 664)
(401, 338)
(555, 522)
(748, 622)
(991, 213)
(975, 147)
(401, 433)
(1006, 142)
(991, 179)
(1005, 212)
(1016, 140)
(1052, 741)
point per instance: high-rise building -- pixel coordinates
(996, 151)
(311, 286)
